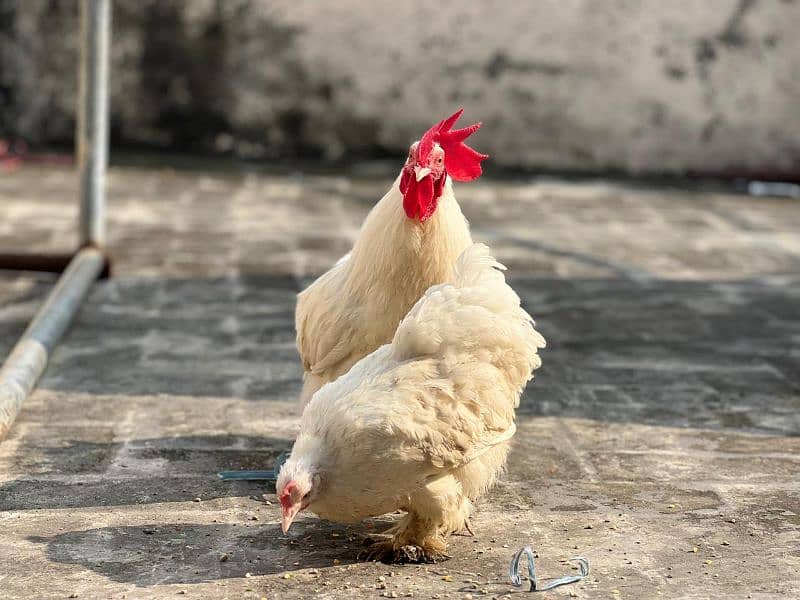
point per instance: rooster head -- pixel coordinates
(440, 152)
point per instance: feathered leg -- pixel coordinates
(436, 511)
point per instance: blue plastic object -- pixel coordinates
(271, 475)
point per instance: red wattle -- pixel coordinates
(420, 198)
(286, 497)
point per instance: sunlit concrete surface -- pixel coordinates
(661, 438)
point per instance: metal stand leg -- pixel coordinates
(92, 132)
(28, 359)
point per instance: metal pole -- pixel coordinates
(28, 359)
(92, 128)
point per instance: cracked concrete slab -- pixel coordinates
(661, 438)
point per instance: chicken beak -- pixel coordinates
(289, 514)
(421, 172)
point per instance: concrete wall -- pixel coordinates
(638, 85)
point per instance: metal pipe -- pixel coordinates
(92, 127)
(28, 359)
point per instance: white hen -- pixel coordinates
(422, 424)
(409, 242)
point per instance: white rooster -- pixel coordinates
(408, 242)
(422, 424)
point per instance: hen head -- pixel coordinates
(440, 152)
(295, 488)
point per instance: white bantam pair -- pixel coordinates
(415, 352)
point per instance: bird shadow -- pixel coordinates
(176, 553)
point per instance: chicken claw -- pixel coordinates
(467, 531)
(387, 552)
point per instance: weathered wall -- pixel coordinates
(638, 85)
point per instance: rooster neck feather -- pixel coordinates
(356, 306)
(401, 257)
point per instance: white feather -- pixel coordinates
(356, 306)
(422, 424)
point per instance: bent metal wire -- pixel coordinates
(516, 579)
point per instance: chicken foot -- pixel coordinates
(413, 540)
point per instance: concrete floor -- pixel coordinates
(661, 438)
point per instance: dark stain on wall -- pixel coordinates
(500, 63)
(704, 55)
(709, 128)
(180, 77)
(732, 34)
(675, 72)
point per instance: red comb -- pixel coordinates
(462, 162)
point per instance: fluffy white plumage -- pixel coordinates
(422, 424)
(355, 307)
